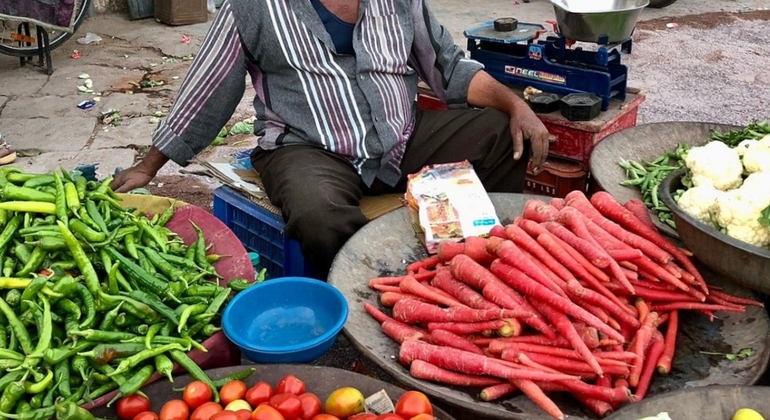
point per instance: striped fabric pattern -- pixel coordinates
(361, 107)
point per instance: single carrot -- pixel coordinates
(621, 355)
(562, 324)
(538, 211)
(513, 256)
(616, 308)
(497, 346)
(598, 407)
(667, 356)
(540, 339)
(413, 311)
(460, 291)
(629, 266)
(430, 372)
(530, 288)
(737, 300)
(424, 275)
(447, 250)
(650, 266)
(387, 281)
(621, 382)
(562, 285)
(630, 275)
(609, 206)
(401, 332)
(470, 272)
(620, 255)
(672, 268)
(388, 299)
(465, 328)
(476, 248)
(536, 394)
(410, 285)
(523, 359)
(385, 288)
(428, 263)
(530, 244)
(512, 328)
(642, 308)
(639, 345)
(562, 365)
(719, 301)
(618, 394)
(470, 363)
(640, 210)
(375, 313)
(594, 310)
(498, 231)
(651, 361)
(497, 391)
(694, 306)
(449, 339)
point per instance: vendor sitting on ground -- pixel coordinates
(336, 82)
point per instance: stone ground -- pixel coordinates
(710, 67)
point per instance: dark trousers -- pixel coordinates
(319, 192)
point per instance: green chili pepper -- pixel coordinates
(194, 370)
(85, 218)
(10, 230)
(192, 300)
(71, 195)
(139, 275)
(237, 376)
(86, 232)
(38, 387)
(93, 212)
(19, 331)
(57, 355)
(71, 411)
(70, 307)
(130, 242)
(3, 337)
(166, 216)
(42, 413)
(64, 265)
(164, 366)
(161, 264)
(36, 401)
(80, 186)
(134, 360)
(39, 181)
(210, 330)
(12, 192)
(104, 197)
(107, 352)
(23, 408)
(80, 364)
(103, 336)
(62, 378)
(112, 277)
(132, 306)
(205, 290)
(187, 313)
(151, 332)
(156, 304)
(11, 395)
(153, 234)
(13, 297)
(132, 384)
(109, 318)
(84, 264)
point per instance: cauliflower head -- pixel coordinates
(716, 164)
(738, 212)
(743, 147)
(697, 201)
(757, 156)
(757, 183)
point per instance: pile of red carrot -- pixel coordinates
(576, 295)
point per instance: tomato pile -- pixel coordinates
(288, 400)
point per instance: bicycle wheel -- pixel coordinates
(10, 47)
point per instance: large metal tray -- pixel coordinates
(708, 403)
(643, 142)
(318, 380)
(387, 244)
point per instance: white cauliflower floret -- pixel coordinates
(715, 164)
(757, 183)
(743, 147)
(757, 156)
(738, 212)
(697, 201)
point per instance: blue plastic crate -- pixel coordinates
(261, 231)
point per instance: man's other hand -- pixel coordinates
(525, 125)
(130, 179)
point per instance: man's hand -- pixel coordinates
(525, 125)
(141, 174)
(130, 179)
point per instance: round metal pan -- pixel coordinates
(387, 244)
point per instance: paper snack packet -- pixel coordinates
(448, 202)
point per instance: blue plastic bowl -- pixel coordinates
(285, 320)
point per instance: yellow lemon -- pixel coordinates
(747, 414)
(344, 402)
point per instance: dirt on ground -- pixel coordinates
(188, 189)
(705, 20)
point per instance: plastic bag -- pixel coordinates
(211, 5)
(89, 39)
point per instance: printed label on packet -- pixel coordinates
(379, 403)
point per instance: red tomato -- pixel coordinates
(175, 410)
(129, 407)
(325, 417)
(265, 412)
(146, 415)
(233, 390)
(363, 416)
(290, 384)
(225, 415)
(423, 417)
(311, 406)
(389, 416)
(287, 404)
(206, 411)
(196, 393)
(413, 403)
(243, 414)
(259, 393)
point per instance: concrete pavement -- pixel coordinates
(39, 115)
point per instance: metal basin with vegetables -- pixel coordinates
(737, 261)
(644, 143)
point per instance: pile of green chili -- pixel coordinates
(95, 297)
